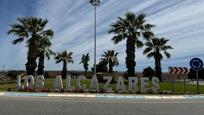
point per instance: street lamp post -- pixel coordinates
(95, 3)
(3, 66)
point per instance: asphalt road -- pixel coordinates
(76, 106)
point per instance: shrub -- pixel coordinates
(14, 74)
(101, 67)
(149, 72)
(192, 74)
(46, 75)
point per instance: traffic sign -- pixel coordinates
(196, 64)
(175, 71)
(178, 70)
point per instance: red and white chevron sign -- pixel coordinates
(178, 70)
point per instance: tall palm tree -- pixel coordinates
(64, 57)
(84, 61)
(110, 57)
(156, 48)
(32, 29)
(131, 27)
(42, 52)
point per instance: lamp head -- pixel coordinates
(95, 2)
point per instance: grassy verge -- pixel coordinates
(164, 86)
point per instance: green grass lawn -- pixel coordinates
(164, 86)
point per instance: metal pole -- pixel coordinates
(95, 40)
(95, 3)
(4, 67)
(197, 78)
(184, 90)
(172, 86)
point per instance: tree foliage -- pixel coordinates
(131, 28)
(156, 48)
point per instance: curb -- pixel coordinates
(119, 96)
(102, 96)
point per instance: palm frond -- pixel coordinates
(149, 44)
(147, 35)
(23, 21)
(19, 40)
(58, 61)
(116, 39)
(147, 50)
(43, 22)
(168, 55)
(150, 55)
(139, 43)
(48, 33)
(64, 56)
(167, 47)
(141, 17)
(47, 55)
(130, 16)
(110, 56)
(148, 26)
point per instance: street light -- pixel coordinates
(3, 67)
(95, 3)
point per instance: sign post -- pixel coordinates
(196, 64)
(184, 85)
(172, 84)
(173, 71)
(197, 78)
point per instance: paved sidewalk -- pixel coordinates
(100, 96)
(195, 82)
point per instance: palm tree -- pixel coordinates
(110, 57)
(131, 27)
(42, 52)
(155, 48)
(32, 29)
(64, 57)
(84, 61)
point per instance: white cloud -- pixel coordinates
(181, 21)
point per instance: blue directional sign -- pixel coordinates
(196, 64)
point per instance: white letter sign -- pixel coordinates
(144, 84)
(68, 82)
(29, 81)
(18, 81)
(155, 84)
(94, 83)
(120, 87)
(79, 78)
(58, 83)
(108, 80)
(40, 81)
(132, 84)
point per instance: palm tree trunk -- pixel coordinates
(64, 70)
(41, 64)
(158, 67)
(110, 67)
(31, 58)
(85, 72)
(85, 68)
(130, 59)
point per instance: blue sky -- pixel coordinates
(181, 21)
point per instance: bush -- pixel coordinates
(149, 72)
(46, 75)
(100, 78)
(192, 74)
(101, 75)
(101, 67)
(14, 74)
